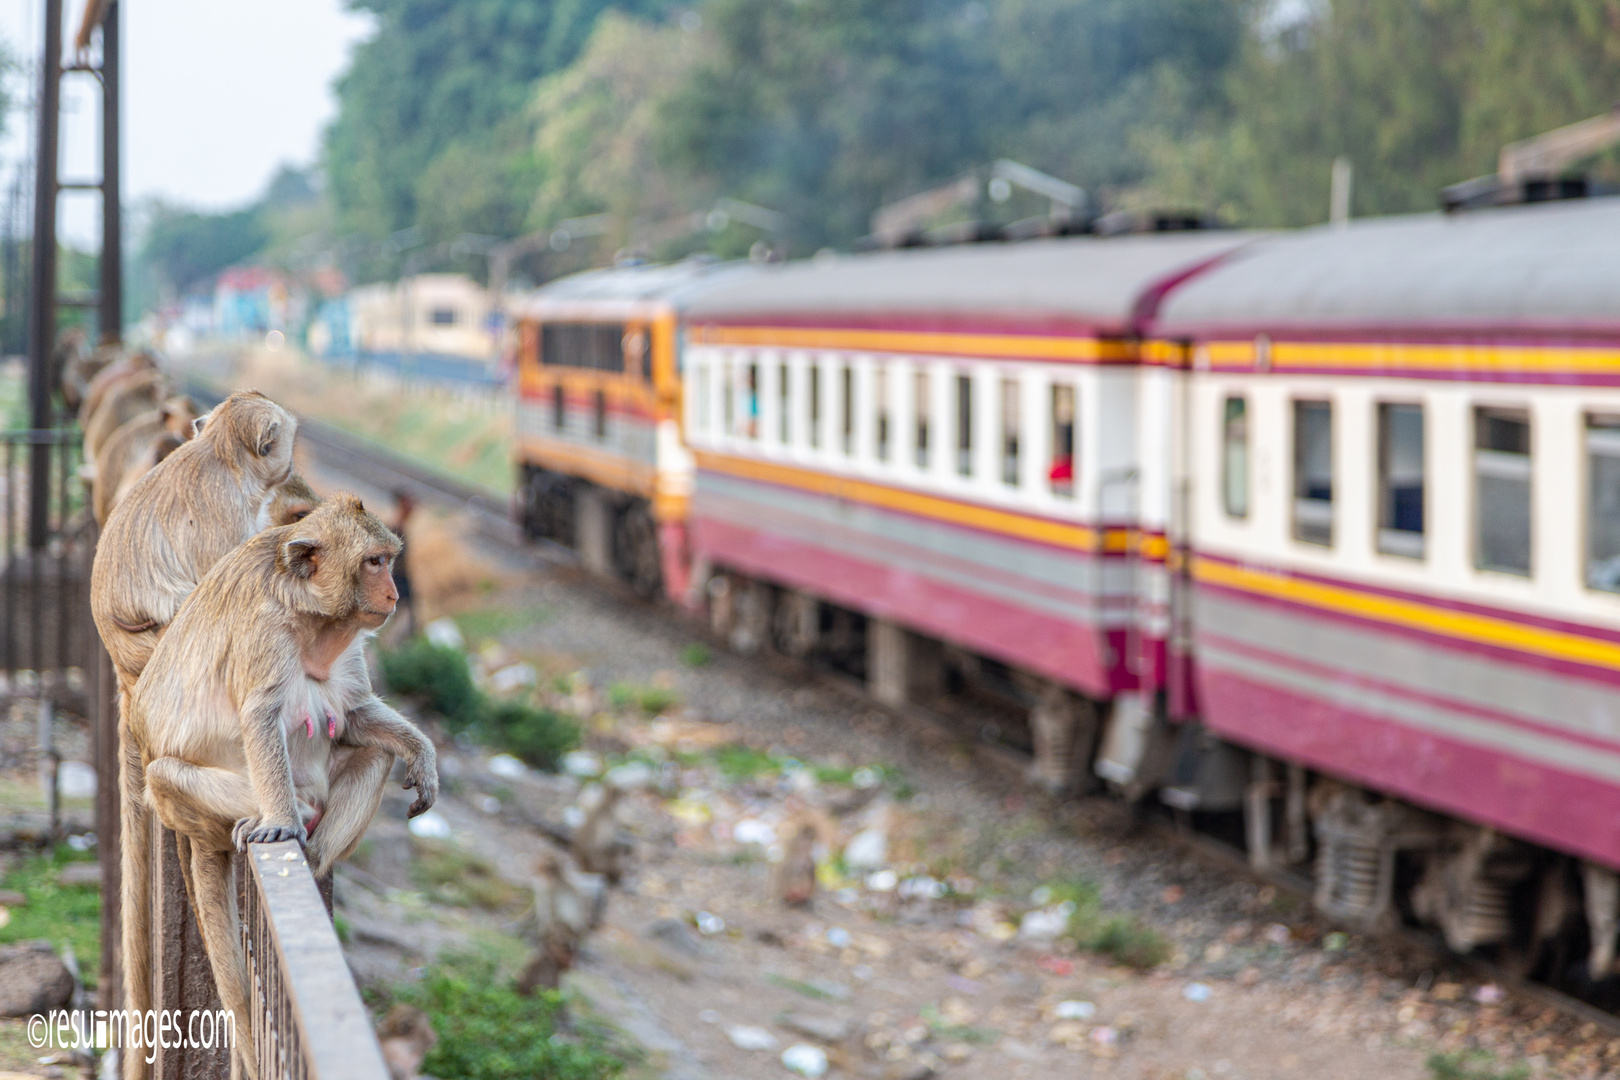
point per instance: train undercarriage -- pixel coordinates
(1376, 862)
(614, 532)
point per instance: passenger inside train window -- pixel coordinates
(1313, 472)
(1061, 472)
(1235, 457)
(881, 393)
(1502, 490)
(784, 399)
(1400, 480)
(700, 407)
(920, 397)
(813, 406)
(1009, 432)
(1603, 513)
(750, 402)
(964, 425)
(846, 407)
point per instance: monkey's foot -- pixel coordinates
(253, 830)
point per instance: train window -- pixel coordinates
(635, 354)
(559, 408)
(784, 398)
(846, 407)
(919, 397)
(964, 425)
(586, 345)
(1061, 473)
(1502, 490)
(1603, 505)
(881, 392)
(1400, 480)
(1235, 457)
(442, 316)
(601, 414)
(700, 381)
(814, 406)
(1313, 472)
(750, 402)
(1009, 432)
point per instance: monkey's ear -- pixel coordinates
(267, 437)
(201, 422)
(302, 556)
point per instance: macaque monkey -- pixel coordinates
(179, 519)
(70, 362)
(794, 879)
(255, 722)
(564, 912)
(138, 445)
(406, 1036)
(598, 847)
(292, 501)
(122, 369)
(119, 406)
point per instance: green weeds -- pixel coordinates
(1473, 1065)
(55, 912)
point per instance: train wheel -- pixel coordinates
(638, 556)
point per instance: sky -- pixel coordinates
(217, 95)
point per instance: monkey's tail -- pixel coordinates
(135, 884)
(214, 902)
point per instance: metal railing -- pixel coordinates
(47, 543)
(308, 1020)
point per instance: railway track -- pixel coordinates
(378, 466)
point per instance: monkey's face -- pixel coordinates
(346, 555)
(376, 594)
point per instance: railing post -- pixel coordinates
(180, 970)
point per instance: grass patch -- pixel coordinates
(741, 762)
(697, 655)
(1473, 1065)
(488, 1031)
(56, 913)
(456, 877)
(440, 678)
(651, 700)
(492, 622)
(945, 1030)
(1124, 939)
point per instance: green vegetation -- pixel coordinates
(952, 1032)
(54, 912)
(697, 655)
(1124, 939)
(488, 1031)
(1473, 1065)
(741, 762)
(459, 878)
(799, 986)
(651, 700)
(440, 678)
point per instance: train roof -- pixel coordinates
(611, 288)
(1542, 265)
(1099, 281)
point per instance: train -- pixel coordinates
(1311, 537)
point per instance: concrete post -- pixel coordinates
(888, 661)
(593, 529)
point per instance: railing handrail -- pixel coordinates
(301, 985)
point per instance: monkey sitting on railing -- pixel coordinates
(256, 722)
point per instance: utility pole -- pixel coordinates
(110, 301)
(42, 307)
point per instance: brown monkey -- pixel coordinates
(120, 405)
(795, 876)
(121, 370)
(255, 720)
(564, 912)
(138, 445)
(292, 501)
(179, 519)
(598, 847)
(406, 1036)
(67, 361)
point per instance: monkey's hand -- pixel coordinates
(255, 830)
(423, 775)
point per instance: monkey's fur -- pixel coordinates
(122, 404)
(794, 878)
(122, 369)
(292, 501)
(179, 519)
(598, 846)
(138, 445)
(255, 721)
(566, 908)
(406, 1035)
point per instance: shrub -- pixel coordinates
(696, 655)
(539, 736)
(488, 1031)
(439, 676)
